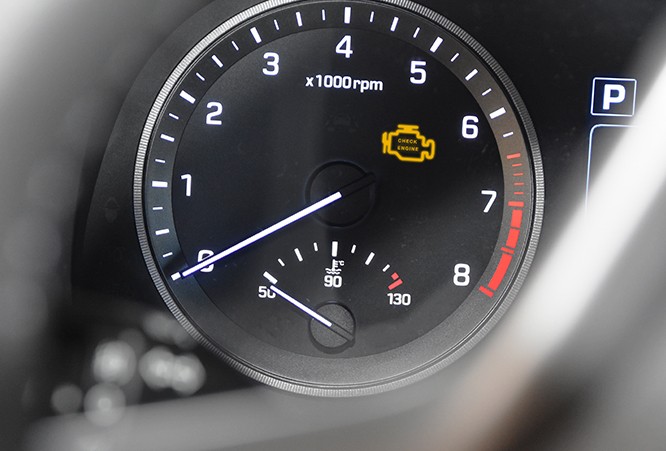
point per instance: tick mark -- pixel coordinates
(255, 35)
(436, 44)
(187, 97)
(270, 278)
(497, 113)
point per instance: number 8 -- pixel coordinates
(461, 275)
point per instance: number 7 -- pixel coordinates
(493, 197)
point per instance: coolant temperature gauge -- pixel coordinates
(311, 282)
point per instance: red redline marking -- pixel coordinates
(519, 184)
(519, 174)
(517, 219)
(486, 291)
(395, 285)
(512, 239)
(518, 193)
(517, 204)
(500, 272)
(395, 276)
(516, 165)
(513, 156)
(507, 250)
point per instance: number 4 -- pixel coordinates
(344, 47)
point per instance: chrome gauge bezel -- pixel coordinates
(392, 374)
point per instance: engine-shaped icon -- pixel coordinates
(407, 144)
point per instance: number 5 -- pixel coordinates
(418, 68)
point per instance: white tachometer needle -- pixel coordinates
(349, 189)
(261, 235)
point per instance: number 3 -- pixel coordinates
(273, 63)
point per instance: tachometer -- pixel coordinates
(338, 197)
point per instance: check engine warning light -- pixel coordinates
(407, 144)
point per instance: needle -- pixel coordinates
(307, 211)
(314, 315)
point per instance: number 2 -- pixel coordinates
(212, 117)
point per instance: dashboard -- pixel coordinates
(119, 337)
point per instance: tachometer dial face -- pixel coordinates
(338, 197)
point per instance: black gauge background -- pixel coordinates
(556, 91)
(379, 372)
(274, 151)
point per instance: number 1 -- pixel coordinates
(188, 184)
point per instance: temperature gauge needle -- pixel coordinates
(314, 315)
(347, 190)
